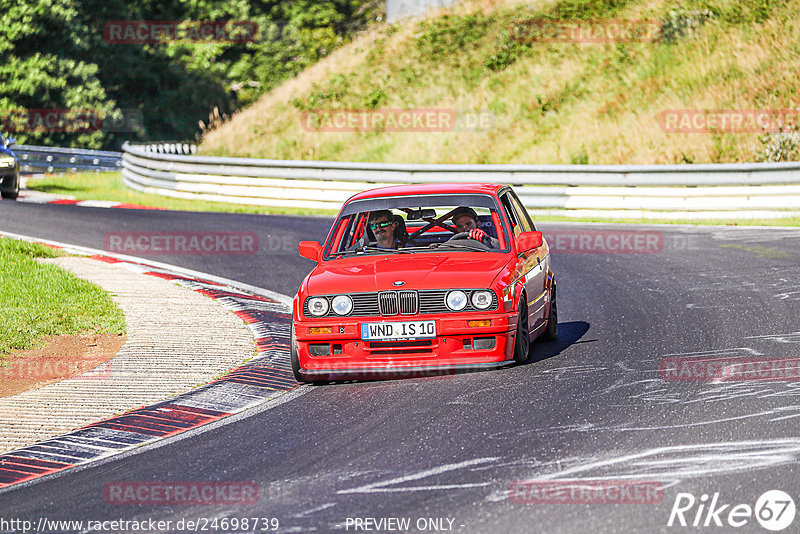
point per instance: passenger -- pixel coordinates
(466, 220)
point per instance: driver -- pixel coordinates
(466, 220)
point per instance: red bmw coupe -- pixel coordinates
(423, 279)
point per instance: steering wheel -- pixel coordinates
(459, 236)
(465, 235)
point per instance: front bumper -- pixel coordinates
(457, 347)
(367, 373)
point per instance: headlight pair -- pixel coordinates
(319, 306)
(457, 300)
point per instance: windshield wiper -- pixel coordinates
(371, 248)
(460, 245)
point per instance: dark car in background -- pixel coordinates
(9, 169)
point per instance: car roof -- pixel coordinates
(429, 189)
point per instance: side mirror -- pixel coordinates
(528, 241)
(11, 141)
(311, 250)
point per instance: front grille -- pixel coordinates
(399, 344)
(388, 303)
(434, 302)
(365, 304)
(394, 302)
(408, 302)
(389, 348)
(403, 351)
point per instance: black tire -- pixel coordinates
(522, 343)
(294, 358)
(10, 195)
(551, 330)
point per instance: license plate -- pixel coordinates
(394, 331)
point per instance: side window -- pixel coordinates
(518, 223)
(340, 238)
(512, 217)
(524, 218)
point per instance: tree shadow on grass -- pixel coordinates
(57, 189)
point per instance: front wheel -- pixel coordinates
(522, 345)
(294, 358)
(551, 330)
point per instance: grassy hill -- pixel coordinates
(549, 102)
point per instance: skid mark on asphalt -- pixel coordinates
(672, 465)
(641, 381)
(785, 286)
(267, 376)
(667, 465)
(381, 487)
(685, 461)
(792, 337)
(314, 510)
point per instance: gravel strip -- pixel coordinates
(177, 340)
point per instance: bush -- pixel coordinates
(447, 36)
(779, 146)
(587, 10)
(680, 23)
(508, 50)
(328, 94)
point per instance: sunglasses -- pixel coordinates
(375, 226)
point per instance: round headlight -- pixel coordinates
(318, 306)
(342, 304)
(456, 300)
(482, 299)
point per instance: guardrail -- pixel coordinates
(36, 159)
(747, 190)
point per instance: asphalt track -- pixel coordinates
(591, 406)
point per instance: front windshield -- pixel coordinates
(421, 224)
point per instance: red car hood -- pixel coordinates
(418, 271)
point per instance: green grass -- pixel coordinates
(109, 186)
(39, 300)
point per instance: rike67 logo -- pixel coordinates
(774, 510)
